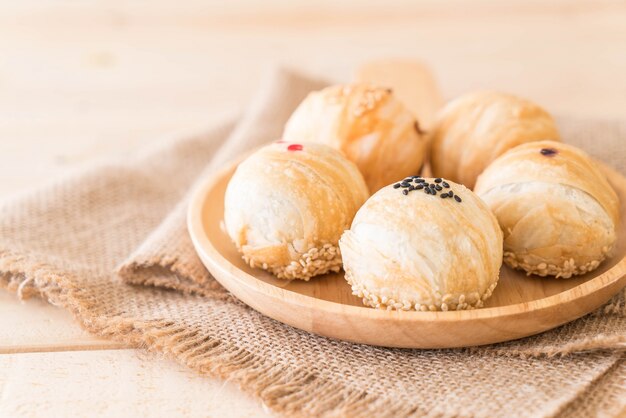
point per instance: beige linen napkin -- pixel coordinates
(65, 243)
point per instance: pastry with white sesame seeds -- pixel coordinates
(368, 124)
(423, 244)
(287, 205)
(474, 129)
(556, 208)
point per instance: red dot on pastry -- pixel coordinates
(548, 152)
(295, 147)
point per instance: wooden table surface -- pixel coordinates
(79, 80)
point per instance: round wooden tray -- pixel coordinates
(520, 305)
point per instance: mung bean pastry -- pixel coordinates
(474, 129)
(556, 208)
(423, 244)
(287, 205)
(368, 124)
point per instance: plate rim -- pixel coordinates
(207, 251)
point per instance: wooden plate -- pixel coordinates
(520, 305)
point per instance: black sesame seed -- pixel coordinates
(419, 180)
(419, 187)
(443, 195)
(446, 185)
(405, 192)
(404, 184)
(548, 151)
(450, 193)
(438, 180)
(432, 186)
(416, 177)
(458, 199)
(438, 187)
(411, 188)
(427, 190)
(395, 186)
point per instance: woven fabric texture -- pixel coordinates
(105, 242)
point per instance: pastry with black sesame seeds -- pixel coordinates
(287, 205)
(368, 124)
(556, 208)
(418, 251)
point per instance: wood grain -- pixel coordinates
(520, 305)
(78, 80)
(37, 326)
(82, 80)
(118, 383)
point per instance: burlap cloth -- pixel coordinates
(80, 241)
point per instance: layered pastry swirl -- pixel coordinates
(474, 129)
(556, 208)
(423, 244)
(368, 124)
(287, 205)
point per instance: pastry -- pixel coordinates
(368, 124)
(287, 205)
(423, 244)
(474, 129)
(557, 210)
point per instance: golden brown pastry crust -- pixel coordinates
(368, 124)
(419, 251)
(474, 129)
(287, 205)
(556, 208)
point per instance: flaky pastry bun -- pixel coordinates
(423, 244)
(287, 205)
(368, 124)
(474, 129)
(556, 208)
